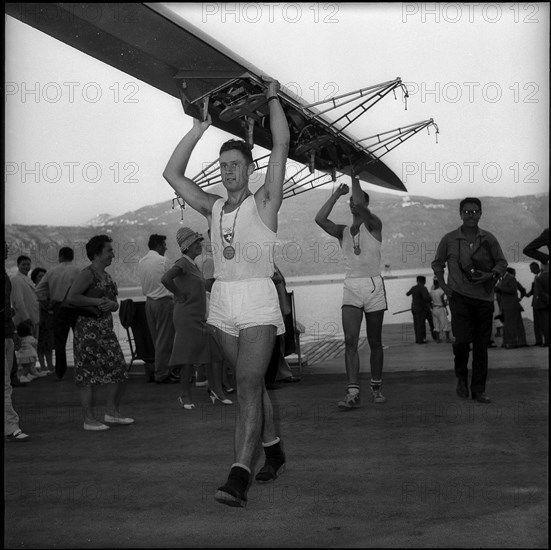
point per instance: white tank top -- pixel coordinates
(368, 262)
(254, 243)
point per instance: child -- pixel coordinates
(26, 354)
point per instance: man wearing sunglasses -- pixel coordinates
(475, 262)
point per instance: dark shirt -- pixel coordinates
(509, 289)
(541, 291)
(454, 250)
(9, 327)
(420, 298)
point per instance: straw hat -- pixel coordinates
(185, 237)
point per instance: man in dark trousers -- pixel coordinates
(53, 288)
(475, 262)
(540, 303)
(159, 305)
(420, 306)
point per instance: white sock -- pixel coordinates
(274, 442)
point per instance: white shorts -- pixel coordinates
(367, 293)
(236, 305)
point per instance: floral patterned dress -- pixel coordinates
(98, 355)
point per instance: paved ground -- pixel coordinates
(426, 469)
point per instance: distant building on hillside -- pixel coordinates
(406, 201)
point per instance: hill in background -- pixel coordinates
(412, 228)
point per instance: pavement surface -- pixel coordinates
(425, 469)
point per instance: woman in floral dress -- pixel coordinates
(99, 360)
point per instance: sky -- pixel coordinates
(83, 138)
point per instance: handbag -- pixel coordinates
(84, 311)
(482, 258)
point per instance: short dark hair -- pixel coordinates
(366, 197)
(95, 245)
(25, 328)
(238, 145)
(155, 240)
(534, 264)
(22, 259)
(421, 279)
(35, 272)
(66, 253)
(474, 200)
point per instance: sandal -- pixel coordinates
(187, 406)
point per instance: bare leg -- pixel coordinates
(200, 375)
(248, 356)
(254, 412)
(186, 372)
(214, 376)
(229, 346)
(87, 399)
(374, 329)
(114, 398)
(41, 360)
(49, 360)
(351, 324)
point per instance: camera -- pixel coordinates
(471, 272)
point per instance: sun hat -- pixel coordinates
(185, 237)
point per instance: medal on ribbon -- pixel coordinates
(227, 235)
(357, 249)
(228, 252)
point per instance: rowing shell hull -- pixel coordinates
(152, 44)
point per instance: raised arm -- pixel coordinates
(373, 223)
(322, 217)
(270, 195)
(175, 170)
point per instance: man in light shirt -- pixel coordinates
(23, 296)
(158, 306)
(53, 288)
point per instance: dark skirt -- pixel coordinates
(193, 340)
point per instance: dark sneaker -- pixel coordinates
(351, 401)
(273, 466)
(377, 396)
(234, 491)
